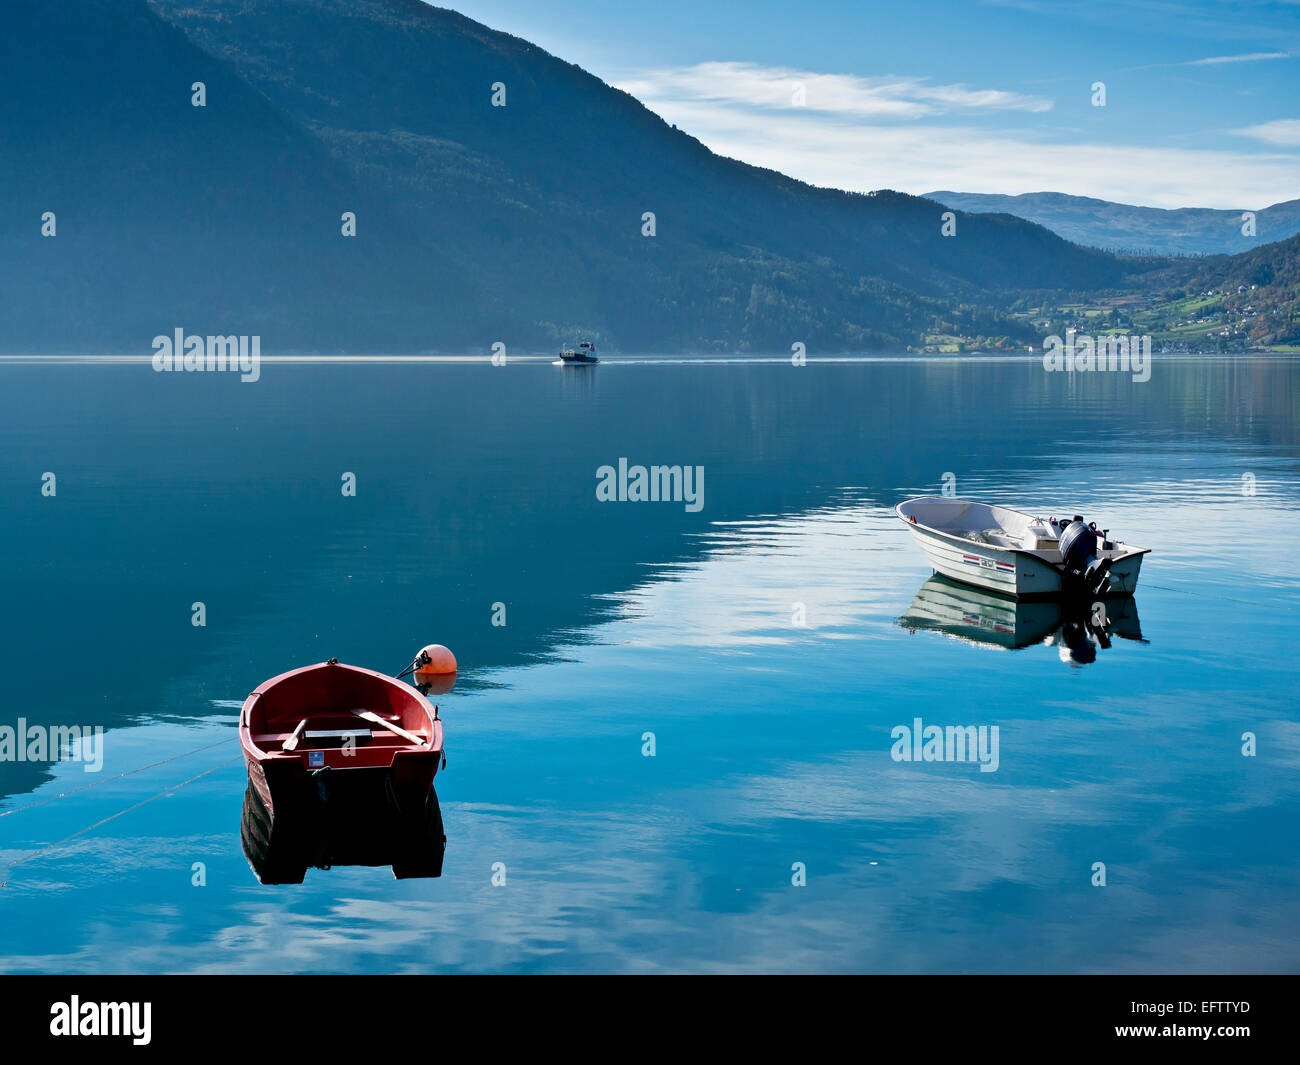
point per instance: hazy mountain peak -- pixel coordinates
(1128, 228)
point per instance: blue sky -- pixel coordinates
(1202, 99)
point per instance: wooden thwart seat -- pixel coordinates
(266, 740)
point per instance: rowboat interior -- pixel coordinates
(333, 730)
(326, 713)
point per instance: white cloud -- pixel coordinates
(862, 134)
(1285, 132)
(1250, 57)
(751, 85)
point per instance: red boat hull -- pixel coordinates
(373, 763)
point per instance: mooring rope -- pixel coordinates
(420, 660)
(119, 776)
(112, 817)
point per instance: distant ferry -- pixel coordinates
(586, 353)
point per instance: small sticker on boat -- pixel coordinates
(315, 759)
(988, 563)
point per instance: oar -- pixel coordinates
(291, 744)
(374, 718)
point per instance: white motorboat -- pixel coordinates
(1020, 554)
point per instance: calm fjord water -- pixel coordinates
(476, 486)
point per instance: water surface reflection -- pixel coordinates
(280, 848)
(1078, 629)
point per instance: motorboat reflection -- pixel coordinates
(1078, 628)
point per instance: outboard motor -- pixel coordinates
(1084, 571)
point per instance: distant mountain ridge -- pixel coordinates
(474, 224)
(1137, 230)
(572, 211)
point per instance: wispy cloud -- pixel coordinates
(754, 86)
(1285, 132)
(856, 142)
(1249, 57)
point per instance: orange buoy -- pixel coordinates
(434, 660)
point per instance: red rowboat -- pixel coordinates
(331, 731)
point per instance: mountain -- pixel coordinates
(474, 223)
(1136, 230)
(219, 219)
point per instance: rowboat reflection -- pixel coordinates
(359, 830)
(1077, 629)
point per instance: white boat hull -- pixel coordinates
(1009, 571)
